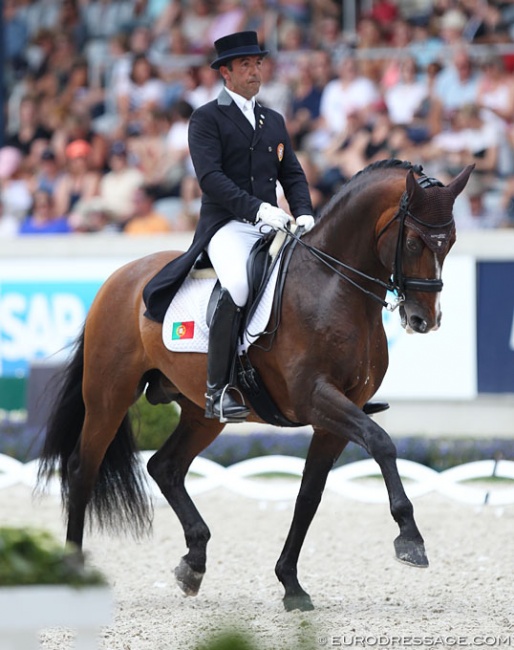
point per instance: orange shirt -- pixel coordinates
(152, 224)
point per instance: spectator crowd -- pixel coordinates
(98, 96)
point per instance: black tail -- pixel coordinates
(120, 499)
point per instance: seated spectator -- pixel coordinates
(206, 86)
(104, 19)
(195, 23)
(8, 224)
(56, 69)
(15, 33)
(477, 214)
(329, 36)
(370, 36)
(172, 161)
(14, 185)
(142, 92)
(304, 109)
(144, 219)
(365, 143)
(70, 21)
(425, 45)
(392, 66)
(451, 27)
(43, 219)
(495, 91)
(29, 129)
(471, 140)
(92, 216)
(350, 92)
(147, 150)
(118, 185)
(228, 18)
(485, 23)
(77, 125)
(386, 13)
(259, 18)
(80, 93)
(273, 92)
(495, 96)
(42, 15)
(46, 173)
(79, 180)
(455, 86)
(405, 97)
(292, 42)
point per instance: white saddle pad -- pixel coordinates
(185, 328)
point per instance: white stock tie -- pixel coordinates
(248, 112)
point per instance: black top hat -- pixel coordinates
(236, 45)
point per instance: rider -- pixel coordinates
(240, 150)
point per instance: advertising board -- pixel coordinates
(43, 304)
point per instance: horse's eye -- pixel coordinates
(413, 245)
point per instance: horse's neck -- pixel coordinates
(349, 239)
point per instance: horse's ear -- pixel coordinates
(459, 182)
(413, 187)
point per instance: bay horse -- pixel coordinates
(389, 227)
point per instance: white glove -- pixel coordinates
(272, 216)
(306, 221)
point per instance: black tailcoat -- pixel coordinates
(238, 169)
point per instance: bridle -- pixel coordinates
(399, 283)
(434, 242)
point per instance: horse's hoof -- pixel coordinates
(302, 602)
(411, 552)
(187, 579)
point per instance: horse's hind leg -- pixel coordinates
(168, 467)
(115, 480)
(324, 450)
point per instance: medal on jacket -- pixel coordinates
(280, 152)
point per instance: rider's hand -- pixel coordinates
(272, 216)
(306, 221)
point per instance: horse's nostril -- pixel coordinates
(418, 324)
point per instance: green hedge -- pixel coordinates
(153, 424)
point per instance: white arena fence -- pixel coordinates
(277, 478)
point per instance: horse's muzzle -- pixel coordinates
(416, 322)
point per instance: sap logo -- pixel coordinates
(38, 325)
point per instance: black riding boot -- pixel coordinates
(223, 331)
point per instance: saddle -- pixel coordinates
(271, 249)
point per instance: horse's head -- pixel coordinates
(424, 236)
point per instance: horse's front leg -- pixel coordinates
(168, 467)
(323, 452)
(335, 413)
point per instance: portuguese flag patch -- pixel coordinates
(183, 330)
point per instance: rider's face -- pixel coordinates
(244, 75)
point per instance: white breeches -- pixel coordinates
(229, 250)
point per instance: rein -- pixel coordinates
(399, 283)
(330, 262)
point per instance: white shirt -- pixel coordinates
(246, 105)
(337, 101)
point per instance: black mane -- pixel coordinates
(388, 163)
